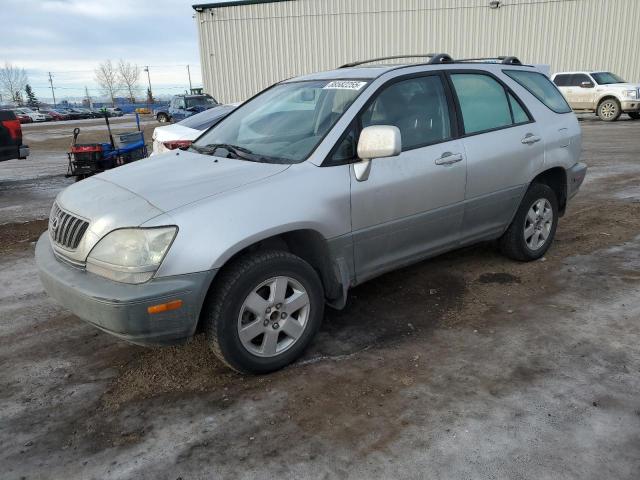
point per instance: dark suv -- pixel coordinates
(183, 106)
(11, 146)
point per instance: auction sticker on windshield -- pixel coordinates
(344, 85)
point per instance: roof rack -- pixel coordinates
(503, 60)
(433, 58)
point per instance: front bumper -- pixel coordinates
(630, 105)
(120, 308)
(575, 177)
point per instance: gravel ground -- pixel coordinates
(465, 366)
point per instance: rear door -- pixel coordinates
(503, 146)
(563, 82)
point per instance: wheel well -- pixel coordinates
(306, 244)
(556, 178)
(607, 97)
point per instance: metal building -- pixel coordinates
(246, 45)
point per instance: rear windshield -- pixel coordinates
(203, 120)
(542, 88)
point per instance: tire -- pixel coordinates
(634, 115)
(609, 110)
(163, 118)
(243, 292)
(518, 245)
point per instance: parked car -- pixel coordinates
(181, 134)
(54, 114)
(11, 146)
(35, 116)
(143, 111)
(183, 106)
(23, 117)
(114, 111)
(604, 93)
(314, 186)
(70, 113)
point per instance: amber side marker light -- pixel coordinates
(165, 307)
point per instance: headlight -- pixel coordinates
(130, 255)
(630, 93)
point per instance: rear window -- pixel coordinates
(6, 115)
(542, 88)
(203, 120)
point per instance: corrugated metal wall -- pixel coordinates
(245, 48)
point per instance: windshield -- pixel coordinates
(200, 102)
(284, 124)
(606, 78)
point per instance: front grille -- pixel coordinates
(65, 229)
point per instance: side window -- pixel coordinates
(346, 150)
(542, 88)
(418, 107)
(519, 114)
(578, 78)
(180, 103)
(562, 80)
(483, 102)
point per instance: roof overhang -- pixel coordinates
(232, 3)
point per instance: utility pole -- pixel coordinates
(52, 92)
(189, 73)
(86, 91)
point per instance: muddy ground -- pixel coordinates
(465, 366)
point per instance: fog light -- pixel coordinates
(165, 307)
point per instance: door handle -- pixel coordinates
(448, 158)
(530, 139)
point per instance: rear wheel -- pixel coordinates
(609, 110)
(265, 310)
(163, 117)
(534, 226)
(634, 115)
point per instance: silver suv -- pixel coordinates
(313, 186)
(604, 93)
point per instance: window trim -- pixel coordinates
(357, 123)
(506, 72)
(506, 90)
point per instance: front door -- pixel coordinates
(410, 206)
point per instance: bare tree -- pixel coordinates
(129, 75)
(109, 80)
(12, 81)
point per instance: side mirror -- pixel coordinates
(376, 141)
(587, 85)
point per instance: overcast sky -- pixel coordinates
(71, 37)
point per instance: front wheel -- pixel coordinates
(609, 110)
(264, 311)
(634, 115)
(534, 226)
(163, 117)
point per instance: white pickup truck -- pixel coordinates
(604, 93)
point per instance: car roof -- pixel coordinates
(375, 71)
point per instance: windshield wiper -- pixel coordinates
(239, 152)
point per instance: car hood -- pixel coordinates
(622, 86)
(172, 180)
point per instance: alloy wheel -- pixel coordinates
(273, 316)
(538, 224)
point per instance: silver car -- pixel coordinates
(317, 184)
